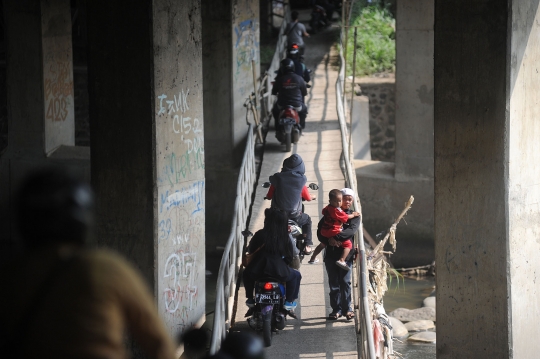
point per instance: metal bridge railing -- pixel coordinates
(367, 347)
(232, 255)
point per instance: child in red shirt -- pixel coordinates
(334, 218)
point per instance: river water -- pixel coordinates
(410, 294)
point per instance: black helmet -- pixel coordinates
(287, 65)
(59, 205)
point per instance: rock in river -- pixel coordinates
(420, 325)
(398, 329)
(408, 315)
(425, 337)
(429, 302)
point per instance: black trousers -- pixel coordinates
(339, 281)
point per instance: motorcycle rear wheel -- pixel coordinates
(267, 329)
(288, 142)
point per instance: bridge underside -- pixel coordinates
(153, 109)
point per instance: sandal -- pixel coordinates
(350, 315)
(334, 316)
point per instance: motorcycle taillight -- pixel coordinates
(289, 112)
(268, 286)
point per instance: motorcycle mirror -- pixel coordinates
(266, 184)
(313, 186)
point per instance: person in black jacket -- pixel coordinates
(274, 251)
(288, 190)
(300, 68)
(339, 280)
(290, 90)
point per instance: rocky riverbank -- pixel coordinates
(415, 325)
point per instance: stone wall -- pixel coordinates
(382, 111)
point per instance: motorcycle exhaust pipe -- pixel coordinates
(280, 321)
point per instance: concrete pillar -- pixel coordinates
(414, 89)
(145, 86)
(39, 83)
(487, 219)
(360, 128)
(230, 43)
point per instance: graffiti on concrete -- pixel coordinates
(181, 166)
(181, 241)
(246, 46)
(58, 86)
(178, 274)
(181, 206)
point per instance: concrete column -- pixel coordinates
(57, 74)
(39, 82)
(145, 86)
(414, 89)
(487, 219)
(39, 77)
(230, 43)
(360, 128)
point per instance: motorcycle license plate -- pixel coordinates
(267, 298)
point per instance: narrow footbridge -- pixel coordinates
(311, 335)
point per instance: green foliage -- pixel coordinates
(375, 43)
(391, 272)
(267, 53)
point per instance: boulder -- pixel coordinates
(398, 329)
(408, 315)
(424, 337)
(429, 302)
(420, 325)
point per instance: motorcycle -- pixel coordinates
(318, 19)
(295, 233)
(289, 127)
(268, 315)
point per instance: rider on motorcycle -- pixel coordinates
(287, 191)
(273, 252)
(300, 68)
(290, 90)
